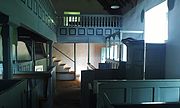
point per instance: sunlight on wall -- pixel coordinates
(124, 53)
(156, 24)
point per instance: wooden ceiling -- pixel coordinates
(124, 6)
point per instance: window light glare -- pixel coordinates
(71, 13)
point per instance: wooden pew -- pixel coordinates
(109, 104)
(150, 105)
(87, 78)
(41, 87)
(135, 92)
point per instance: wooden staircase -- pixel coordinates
(63, 71)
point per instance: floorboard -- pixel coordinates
(67, 94)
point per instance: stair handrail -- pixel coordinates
(63, 54)
(91, 66)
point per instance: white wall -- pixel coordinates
(173, 44)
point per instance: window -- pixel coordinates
(156, 24)
(71, 18)
(124, 53)
(22, 55)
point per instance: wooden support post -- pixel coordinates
(7, 48)
(33, 58)
(120, 47)
(47, 56)
(50, 53)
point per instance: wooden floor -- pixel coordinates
(67, 94)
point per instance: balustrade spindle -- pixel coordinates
(113, 20)
(110, 20)
(94, 21)
(91, 21)
(116, 21)
(87, 22)
(82, 19)
(103, 22)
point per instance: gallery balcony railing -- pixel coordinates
(87, 27)
(90, 21)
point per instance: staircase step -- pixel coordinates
(65, 72)
(54, 58)
(61, 68)
(67, 68)
(65, 76)
(62, 64)
(57, 60)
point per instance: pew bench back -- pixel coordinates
(135, 91)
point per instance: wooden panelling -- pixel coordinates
(140, 95)
(13, 94)
(108, 31)
(99, 31)
(63, 31)
(168, 94)
(81, 31)
(90, 31)
(72, 31)
(96, 34)
(114, 92)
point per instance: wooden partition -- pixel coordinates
(13, 94)
(41, 87)
(119, 92)
(87, 77)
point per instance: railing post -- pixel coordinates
(74, 57)
(88, 52)
(109, 48)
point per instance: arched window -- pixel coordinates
(156, 24)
